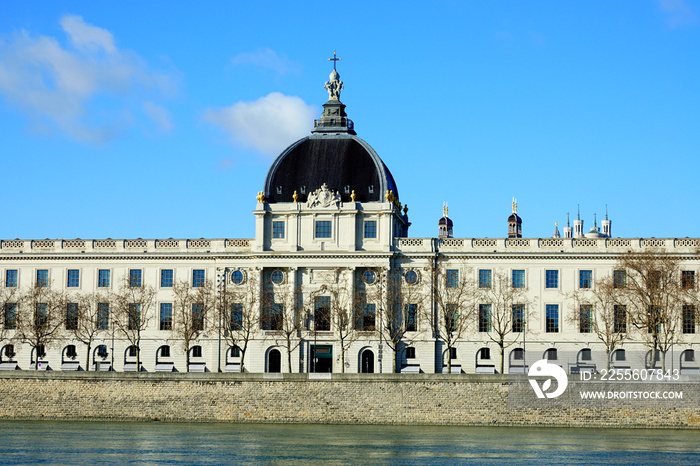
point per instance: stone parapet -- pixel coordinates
(424, 399)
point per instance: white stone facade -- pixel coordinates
(308, 264)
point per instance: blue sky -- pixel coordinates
(160, 119)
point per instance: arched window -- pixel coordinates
(274, 361)
(551, 354)
(163, 362)
(367, 362)
(101, 351)
(8, 352)
(518, 354)
(70, 352)
(619, 355)
(586, 355)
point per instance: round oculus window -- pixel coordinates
(411, 277)
(237, 277)
(369, 277)
(277, 277)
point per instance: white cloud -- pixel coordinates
(86, 89)
(677, 13)
(86, 37)
(158, 114)
(266, 125)
(267, 58)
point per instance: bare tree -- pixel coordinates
(455, 297)
(90, 319)
(281, 317)
(343, 309)
(132, 304)
(401, 306)
(337, 313)
(654, 298)
(192, 311)
(598, 310)
(506, 311)
(9, 297)
(240, 311)
(40, 318)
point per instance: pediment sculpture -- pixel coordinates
(323, 197)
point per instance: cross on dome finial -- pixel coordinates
(334, 59)
(334, 85)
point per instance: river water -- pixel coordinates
(74, 443)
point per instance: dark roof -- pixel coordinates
(514, 218)
(445, 221)
(338, 160)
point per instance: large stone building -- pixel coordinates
(331, 282)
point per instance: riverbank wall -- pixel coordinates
(414, 399)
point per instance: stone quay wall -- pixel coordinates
(427, 399)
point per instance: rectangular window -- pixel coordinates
(278, 229)
(619, 279)
(10, 316)
(323, 229)
(134, 316)
(42, 277)
(518, 318)
(585, 318)
(484, 317)
(103, 278)
(485, 353)
(197, 351)
(620, 318)
(11, 278)
(322, 313)
(166, 316)
(236, 317)
(551, 279)
(41, 315)
(410, 352)
(165, 351)
(166, 278)
(132, 351)
(370, 228)
(272, 317)
(73, 278)
(484, 278)
(688, 318)
(411, 317)
(552, 318)
(197, 316)
(102, 316)
(365, 319)
(72, 316)
(452, 278)
(518, 279)
(451, 317)
(585, 278)
(198, 278)
(135, 278)
(688, 279)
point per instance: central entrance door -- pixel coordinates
(321, 358)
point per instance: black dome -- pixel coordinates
(342, 161)
(445, 221)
